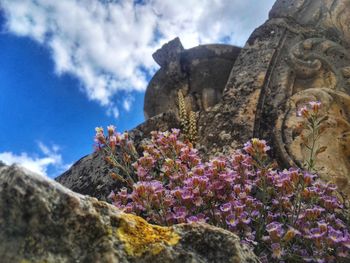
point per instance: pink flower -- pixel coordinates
(111, 130)
(315, 106)
(303, 112)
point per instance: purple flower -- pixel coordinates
(226, 207)
(255, 213)
(244, 218)
(180, 214)
(315, 233)
(303, 112)
(335, 236)
(241, 193)
(202, 218)
(277, 251)
(187, 195)
(315, 106)
(226, 177)
(239, 208)
(275, 230)
(290, 234)
(231, 221)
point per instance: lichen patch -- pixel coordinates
(140, 237)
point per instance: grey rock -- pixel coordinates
(42, 221)
(169, 53)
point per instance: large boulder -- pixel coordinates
(42, 221)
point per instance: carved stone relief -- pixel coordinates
(319, 70)
(334, 163)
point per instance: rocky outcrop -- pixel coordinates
(42, 221)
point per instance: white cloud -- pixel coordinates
(50, 157)
(108, 45)
(128, 102)
(113, 111)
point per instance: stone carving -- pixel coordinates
(200, 72)
(319, 69)
(334, 163)
(323, 62)
(315, 67)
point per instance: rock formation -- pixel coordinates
(41, 221)
(301, 53)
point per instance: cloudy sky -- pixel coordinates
(67, 66)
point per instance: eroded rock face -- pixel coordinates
(41, 221)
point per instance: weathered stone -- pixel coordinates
(312, 64)
(170, 53)
(300, 54)
(200, 72)
(41, 221)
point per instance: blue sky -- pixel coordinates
(71, 65)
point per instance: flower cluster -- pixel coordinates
(120, 153)
(286, 215)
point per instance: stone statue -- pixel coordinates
(200, 72)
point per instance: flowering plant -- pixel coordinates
(312, 123)
(120, 153)
(286, 215)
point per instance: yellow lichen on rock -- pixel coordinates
(140, 237)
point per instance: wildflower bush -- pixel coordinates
(287, 215)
